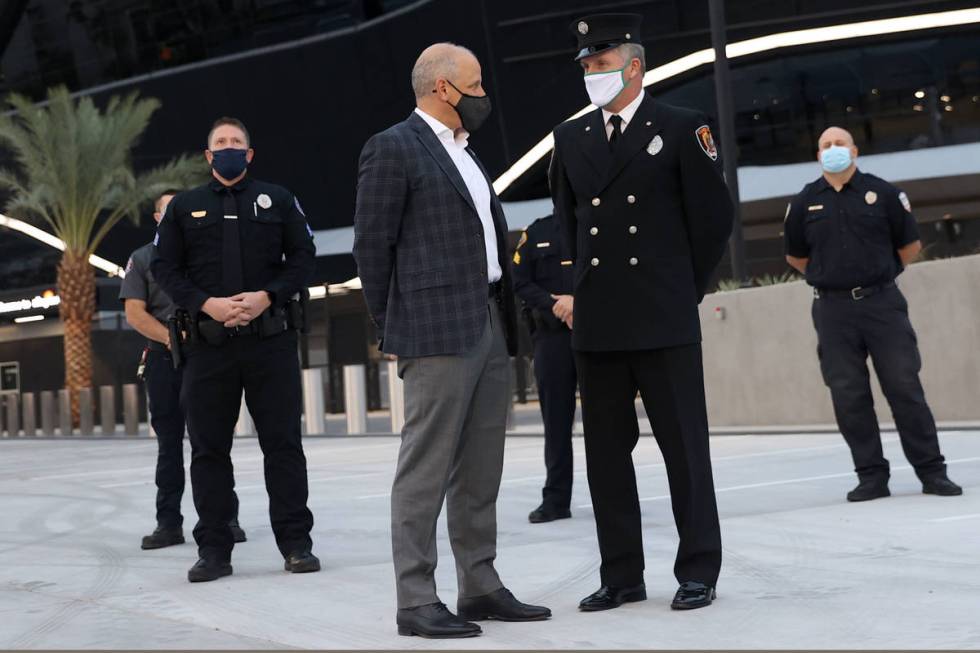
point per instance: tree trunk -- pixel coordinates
(76, 287)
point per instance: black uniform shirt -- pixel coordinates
(278, 254)
(541, 266)
(851, 238)
(140, 284)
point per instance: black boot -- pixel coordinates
(545, 513)
(302, 562)
(868, 489)
(237, 532)
(161, 537)
(208, 569)
(941, 485)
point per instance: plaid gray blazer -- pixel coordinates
(418, 244)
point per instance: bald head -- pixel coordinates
(836, 136)
(440, 61)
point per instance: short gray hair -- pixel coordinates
(435, 64)
(631, 51)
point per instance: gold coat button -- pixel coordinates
(631, 199)
(634, 261)
(594, 231)
(595, 262)
(596, 201)
(632, 229)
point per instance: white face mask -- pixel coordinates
(603, 88)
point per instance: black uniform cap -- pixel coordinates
(601, 32)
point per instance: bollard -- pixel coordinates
(313, 409)
(355, 399)
(64, 413)
(13, 416)
(47, 413)
(107, 409)
(131, 409)
(86, 407)
(245, 425)
(29, 414)
(396, 397)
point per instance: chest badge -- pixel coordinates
(871, 197)
(198, 214)
(264, 201)
(657, 144)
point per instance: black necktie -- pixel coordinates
(231, 249)
(617, 124)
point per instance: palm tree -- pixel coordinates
(73, 175)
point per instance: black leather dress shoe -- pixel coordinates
(161, 537)
(302, 562)
(500, 605)
(237, 532)
(434, 621)
(691, 595)
(868, 489)
(208, 569)
(545, 513)
(941, 485)
(607, 598)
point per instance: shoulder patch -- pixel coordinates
(129, 265)
(789, 207)
(156, 239)
(522, 240)
(309, 230)
(904, 199)
(707, 142)
(298, 207)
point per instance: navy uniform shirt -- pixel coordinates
(851, 238)
(278, 254)
(541, 267)
(140, 284)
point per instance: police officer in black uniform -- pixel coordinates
(234, 253)
(638, 188)
(147, 310)
(851, 234)
(543, 280)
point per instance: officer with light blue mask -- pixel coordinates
(851, 234)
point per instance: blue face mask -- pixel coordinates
(229, 162)
(836, 158)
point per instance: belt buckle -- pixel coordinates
(854, 294)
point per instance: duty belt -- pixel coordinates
(858, 293)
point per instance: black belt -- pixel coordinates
(495, 290)
(858, 293)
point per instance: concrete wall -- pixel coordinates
(761, 364)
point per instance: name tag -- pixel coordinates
(815, 207)
(231, 217)
(198, 214)
(544, 244)
(566, 262)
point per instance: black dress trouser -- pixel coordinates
(554, 370)
(267, 369)
(848, 331)
(671, 384)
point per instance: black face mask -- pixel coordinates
(472, 109)
(229, 162)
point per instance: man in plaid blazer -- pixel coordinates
(429, 240)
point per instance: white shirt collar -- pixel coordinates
(628, 111)
(445, 134)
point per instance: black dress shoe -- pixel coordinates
(500, 605)
(161, 537)
(237, 532)
(302, 562)
(868, 489)
(208, 569)
(545, 513)
(941, 485)
(434, 621)
(607, 598)
(692, 595)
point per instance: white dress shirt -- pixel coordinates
(476, 184)
(626, 114)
